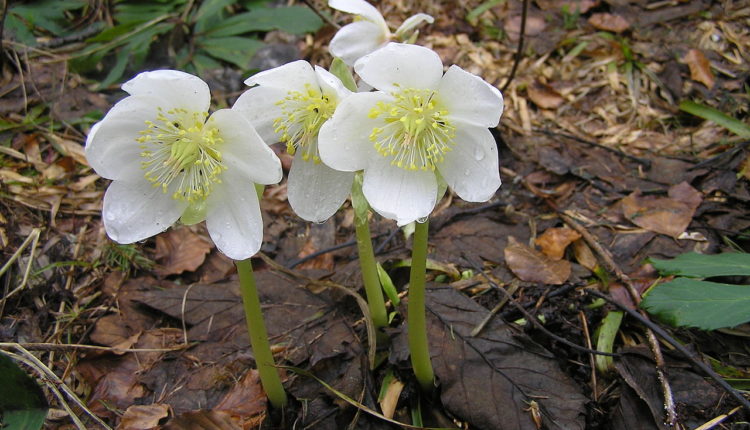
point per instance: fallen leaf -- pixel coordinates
(477, 236)
(666, 215)
(609, 22)
(179, 250)
(700, 68)
(584, 255)
(203, 420)
(544, 96)
(490, 379)
(535, 25)
(532, 266)
(143, 417)
(246, 398)
(554, 241)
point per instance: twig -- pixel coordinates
(642, 161)
(320, 14)
(69, 346)
(592, 360)
(511, 290)
(661, 367)
(33, 238)
(532, 319)
(519, 51)
(677, 345)
(294, 263)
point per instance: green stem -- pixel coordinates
(369, 270)
(269, 376)
(417, 327)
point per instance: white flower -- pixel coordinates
(290, 103)
(167, 162)
(420, 124)
(369, 33)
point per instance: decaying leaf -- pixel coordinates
(490, 380)
(532, 266)
(666, 215)
(544, 96)
(700, 68)
(554, 241)
(584, 255)
(609, 22)
(246, 398)
(203, 420)
(143, 417)
(179, 250)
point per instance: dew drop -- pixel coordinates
(422, 220)
(478, 154)
(467, 172)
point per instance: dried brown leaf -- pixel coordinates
(544, 96)
(554, 241)
(143, 417)
(246, 398)
(584, 255)
(666, 215)
(533, 266)
(700, 68)
(609, 22)
(203, 420)
(180, 250)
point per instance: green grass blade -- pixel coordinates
(708, 113)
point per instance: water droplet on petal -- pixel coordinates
(467, 172)
(478, 154)
(422, 220)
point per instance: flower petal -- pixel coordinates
(400, 194)
(176, 89)
(344, 140)
(331, 85)
(111, 146)
(361, 8)
(137, 210)
(470, 99)
(233, 218)
(289, 77)
(471, 169)
(398, 65)
(316, 191)
(258, 105)
(243, 151)
(355, 40)
(412, 23)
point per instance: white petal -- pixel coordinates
(331, 85)
(344, 140)
(355, 40)
(471, 169)
(258, 105)
(243, 151)
(176, 89)
(361, 8)
(111, 146)
(289, 77)
(233, 218)
(399, 65)
(412, 23)
(469, 98)
(316, 191)
(137, 210)
(399, 194)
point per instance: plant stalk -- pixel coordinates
(269, 376)
(417, 327)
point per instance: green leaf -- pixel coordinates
(340, 70)
(18, 30)
(387, 284)
(23, 407)
(693, 265)
(605, 339)
(708, 113)
(686, 302)
(472, 16)
(137, 12)
(48, 15)
(210, 14)
(292, 19)
(235, 50)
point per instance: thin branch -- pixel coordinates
(519, 51)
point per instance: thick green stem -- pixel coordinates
(269, 375)
(370, 274)
(417, 327)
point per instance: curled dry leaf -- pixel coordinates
(700, 68)
(532, 266)
(666, 215)
(545, 96)
(246, 398)
(143, 417)
(180, 250)
(554, 241)
(584, 255)
(609, 22)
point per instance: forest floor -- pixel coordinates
(601, 171)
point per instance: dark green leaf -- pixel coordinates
(695, 265)
(23, 407)
(18, 31)
(292, 19)
(48, 15)
(129, 12)
(707, 305)
(210, 14)
(235, 50)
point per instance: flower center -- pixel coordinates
(416, 132)
(302, 115)
(179, 148)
